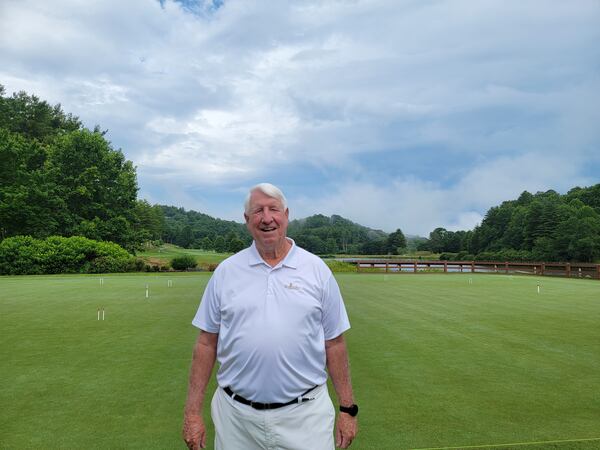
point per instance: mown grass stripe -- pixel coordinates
(512, 444)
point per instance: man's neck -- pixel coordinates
(273, 256)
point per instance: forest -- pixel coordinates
(58, 178)
(545, 226)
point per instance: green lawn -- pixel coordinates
(167, 252)
(436, 361)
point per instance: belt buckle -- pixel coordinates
(260, 406)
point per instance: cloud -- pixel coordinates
(440, 108)
(419, 207)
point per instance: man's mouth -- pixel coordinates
(268, 229)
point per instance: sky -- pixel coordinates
(410, 114)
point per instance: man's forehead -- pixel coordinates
(259, 197)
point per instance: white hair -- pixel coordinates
(269, 190)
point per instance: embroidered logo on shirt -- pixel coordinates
(292, 286)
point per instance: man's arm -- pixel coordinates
(339, 371)
(205, 353)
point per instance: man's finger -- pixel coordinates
(192, 442)
(345, 442)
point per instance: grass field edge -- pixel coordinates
(512, 444)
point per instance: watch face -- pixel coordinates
(352, 410)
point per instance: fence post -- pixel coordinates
(415, 265)
(543, 266)
(506, 266)
(445, 267)
(568, 270)
(472, 266)
(598, 270)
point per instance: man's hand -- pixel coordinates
(345, 430)
(194, 433)
(337, 364)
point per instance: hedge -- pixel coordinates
(183, 262)
(25, 255)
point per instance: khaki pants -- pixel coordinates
(302, 426)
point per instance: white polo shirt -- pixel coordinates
(272, 323)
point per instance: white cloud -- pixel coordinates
(418, 207)
(498, 96)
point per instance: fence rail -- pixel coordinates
(570, 270)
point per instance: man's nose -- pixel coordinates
(267, 217)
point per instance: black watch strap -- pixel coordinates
(352, 409)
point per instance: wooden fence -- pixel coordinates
(571, 270)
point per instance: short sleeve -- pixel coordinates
(335, 318)
(208, 316)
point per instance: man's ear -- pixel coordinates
(246, 217)
(287, 213)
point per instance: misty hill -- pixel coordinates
(321, 234)
(317, 233)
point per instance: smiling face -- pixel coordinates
(267, 222)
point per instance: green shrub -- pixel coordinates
(463, 256)
(210, 267)
(340, 266)
(21, 255)
(183, 262)
(448, 256)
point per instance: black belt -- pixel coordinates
(261, 406)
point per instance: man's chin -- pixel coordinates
(269, 241)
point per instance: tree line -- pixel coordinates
(58, 178)
(545, 226)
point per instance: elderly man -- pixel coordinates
(274, 318)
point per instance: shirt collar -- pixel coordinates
(290, 260)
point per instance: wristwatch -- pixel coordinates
(352, 409)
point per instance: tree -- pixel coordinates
(220, 244)
(185, 237)
(396, 242)
(330, 246)
(29, 202)
(514, 235)
(589, 196)
(578, 237)
(311, 243)
(148, 221)
(235, 245)
(436, 240)
(32, 118)
(206, 244)
(95, 183)
(375, 247)
(59, 178)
